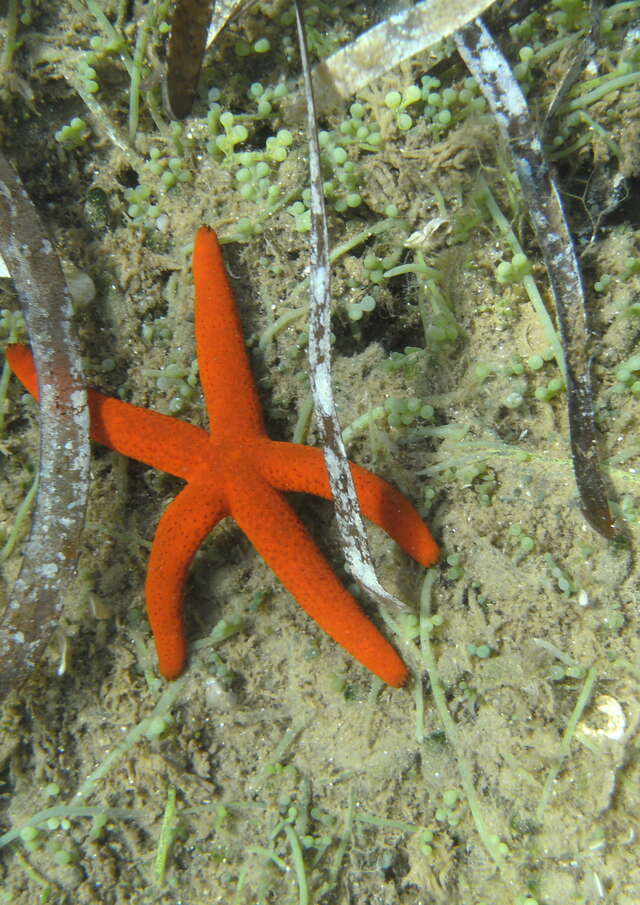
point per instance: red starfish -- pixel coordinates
(239, 471)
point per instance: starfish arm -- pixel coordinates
(228, 384)
(290, 466)
(183, 526)
(157, 440)
(282, 540)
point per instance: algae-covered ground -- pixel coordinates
(277, 769)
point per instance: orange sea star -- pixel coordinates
(239, 471)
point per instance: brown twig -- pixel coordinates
(187, 42)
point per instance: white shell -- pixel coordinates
(607, 720)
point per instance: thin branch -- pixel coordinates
(52, 549)
(498, 84)
(348, 515)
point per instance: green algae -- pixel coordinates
(353, 803)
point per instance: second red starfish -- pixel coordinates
(239, 471)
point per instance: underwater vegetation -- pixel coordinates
(275, 769)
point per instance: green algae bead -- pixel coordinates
(504, 272)
(521, 264)
(435, 334)
(239, 133)
(450, 798)
(449, 96)
(29, 833)
(412, 94)
(393, 99)
(64, 858)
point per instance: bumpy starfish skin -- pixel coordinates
(239, 471)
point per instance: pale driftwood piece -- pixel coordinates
(389, 43)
